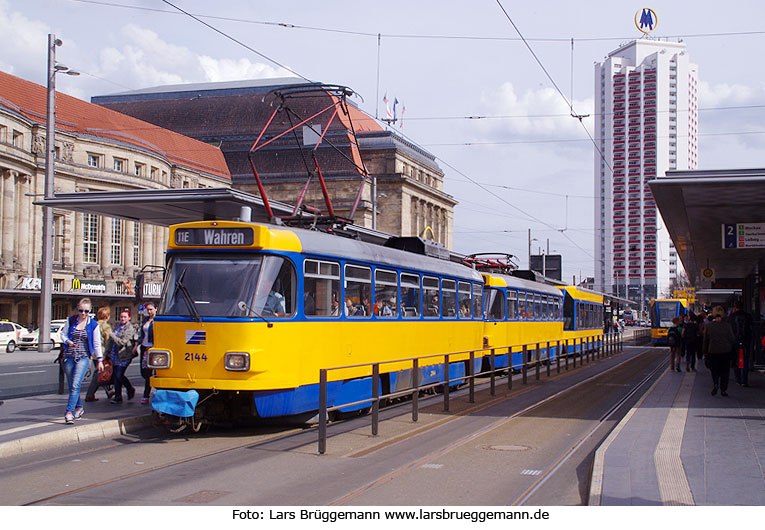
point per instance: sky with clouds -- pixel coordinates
(525, 164)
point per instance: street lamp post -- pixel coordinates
(46, 287)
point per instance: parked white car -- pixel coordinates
(10, 335)
(29, 340)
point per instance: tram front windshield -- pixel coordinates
(664, 312)
(216, 286)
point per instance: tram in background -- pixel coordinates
(663, 310)
(583, 312)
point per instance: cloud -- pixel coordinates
(234, 69)
(540, 113)
(724, 94)
(24, 40)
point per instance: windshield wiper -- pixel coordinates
(243, 307)
(186, 296)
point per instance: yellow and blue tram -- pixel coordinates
(519, 311)
(583, 316)
(250, 313)
(663, 310)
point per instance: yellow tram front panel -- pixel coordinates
(291, 353)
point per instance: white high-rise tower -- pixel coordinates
(646, 122)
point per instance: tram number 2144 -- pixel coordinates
(195, 357)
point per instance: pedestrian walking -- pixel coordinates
(81, 341)
(719, 342)
(122, 353)
(104, 328)
(146, 341)
(675, 342)
(690, 342)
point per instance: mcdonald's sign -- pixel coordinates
(88, 286)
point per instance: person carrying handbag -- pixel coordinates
(104, 378)
(146, 341)
(122, 353)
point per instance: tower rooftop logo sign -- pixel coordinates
(646, 20)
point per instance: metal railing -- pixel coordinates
(641, 336)
(586, 348)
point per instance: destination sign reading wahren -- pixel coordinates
(214, 237)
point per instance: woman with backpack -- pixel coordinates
(675, 341)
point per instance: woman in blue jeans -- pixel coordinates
(81, 342)
(124, 337)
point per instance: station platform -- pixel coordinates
(682, 446)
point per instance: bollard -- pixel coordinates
(523, 365)
(322, 411)
(415, 389)
(375, 397)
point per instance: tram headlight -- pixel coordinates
(159, 359)
(237, 361)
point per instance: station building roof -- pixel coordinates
(696, 204)
(29, 100)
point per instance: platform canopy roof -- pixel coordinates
(695, 206)
(174, 206)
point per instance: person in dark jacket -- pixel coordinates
(144, 342)
(741, 322)
(690, 342)
(123, 337)
(675, 341)
(719, 342)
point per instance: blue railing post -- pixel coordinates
(446, 383)
(525, 362)
(471, 374)
(375, 397)
(415, 389)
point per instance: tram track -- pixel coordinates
(544, 475)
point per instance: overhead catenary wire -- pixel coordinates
(375, 34)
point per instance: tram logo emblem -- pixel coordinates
(196, 337)
(646, 20)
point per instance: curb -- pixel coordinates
(64, 437)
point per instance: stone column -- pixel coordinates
(76, 239)
(128, 242)
(106, 244)
(9, 212)
(147, 245)
(24, 236)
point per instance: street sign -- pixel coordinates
(743, 235)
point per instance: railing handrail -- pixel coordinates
(607, 344)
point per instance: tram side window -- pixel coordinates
(321, 288)
(275, 293)
(463, 294)
(477, 301)
(522, 313)
(410, 295)
(568, 313)
(358, 288)
(495, 304)
(386, 294)
(545, 308)
(430, 305)
(449, 298)
(537, 307)
(512, 305)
